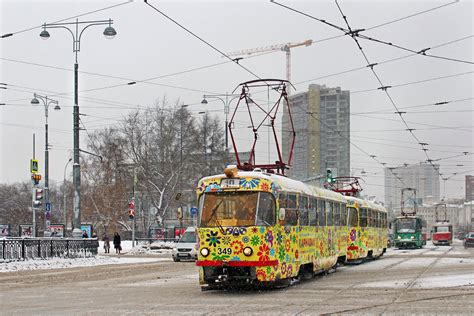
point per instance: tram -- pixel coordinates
(442, 234)
(256, 227)
(408, 232)
(442, 229)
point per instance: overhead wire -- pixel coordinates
(68, 18)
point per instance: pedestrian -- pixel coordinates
(84, 234)
(106, 241)
(117, 242)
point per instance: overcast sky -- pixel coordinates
(148, 45)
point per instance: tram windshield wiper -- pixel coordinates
(214, 216)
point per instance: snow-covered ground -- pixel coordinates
(62, 263)
(157, 247)
(101, 259)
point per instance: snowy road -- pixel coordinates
(432, 280)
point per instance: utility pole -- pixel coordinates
(33, 208)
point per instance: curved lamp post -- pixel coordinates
(77, 30)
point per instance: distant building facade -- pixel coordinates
(469, 188)
(424, 178)
(322, 125)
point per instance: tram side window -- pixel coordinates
(266, 209)
(343, 210)
(303, 210)
(329, 213)
(322, 212)
(370, 218)
(291, 212)
(313, 212)
(353, 220)
(363, 217)
(337, 214)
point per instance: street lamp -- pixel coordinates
(77, 29)
(46, 102)
(226, 112)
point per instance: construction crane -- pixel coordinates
(282, 47)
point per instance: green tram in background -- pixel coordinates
(409, 232)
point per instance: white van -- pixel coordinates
(186, 246)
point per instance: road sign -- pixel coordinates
(193, 210)
(34, 166)
(47, 207)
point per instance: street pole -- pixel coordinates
(33, 208)
(226, 103)
(47, 206)
(64, 198)
(109, 32)
(133, 220)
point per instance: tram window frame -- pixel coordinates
(353, 216)
(321, 212)
(313, 212)
(261, 199)
(291, 211)
(303, 210)
(363, 217)
(336, 214)
(329, 213)
(282, 199)
(343, 210)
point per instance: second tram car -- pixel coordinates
(409, 232)
(442, 234)
(263, 228)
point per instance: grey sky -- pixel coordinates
(148, 46)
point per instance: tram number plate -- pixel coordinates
(224, 251)
(230, 183)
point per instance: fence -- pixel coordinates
(31, 248)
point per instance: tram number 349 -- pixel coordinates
(224, 251)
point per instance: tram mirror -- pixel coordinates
(281, 214)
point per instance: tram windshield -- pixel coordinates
(442, 229)
(405, 225)
(237, 209)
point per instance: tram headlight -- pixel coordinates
(248, 251)
(205, 252)
(399, 237)
(412, 237)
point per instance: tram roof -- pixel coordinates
(286, 184)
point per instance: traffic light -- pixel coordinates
(37, 197)
(131, 208)
(36, 178)
(329, 178)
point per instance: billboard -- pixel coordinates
(87, 229)
(26, 230)
(4, 230)
(56, 230)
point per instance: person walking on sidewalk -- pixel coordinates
(117, 243)
(106, 241)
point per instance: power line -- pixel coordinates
(414, 82)
(72, 17)
(202, 40)
(411, 15)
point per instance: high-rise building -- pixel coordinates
(469, 188)
(321, 121)
(423, 178)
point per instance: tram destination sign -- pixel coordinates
(230, 183)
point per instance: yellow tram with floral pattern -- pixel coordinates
(263, 228)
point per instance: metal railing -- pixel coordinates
(12, 249)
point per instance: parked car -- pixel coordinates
(186, 246)
(469, 240)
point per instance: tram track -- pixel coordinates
(412, 282)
